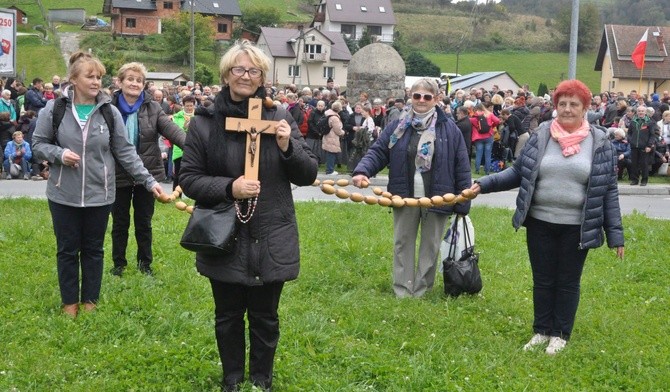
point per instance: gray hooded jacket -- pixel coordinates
(93, 183)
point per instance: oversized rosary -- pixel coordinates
(386, 199)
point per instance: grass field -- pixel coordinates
(524, 67)
(342, 328)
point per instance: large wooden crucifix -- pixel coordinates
(253, 126)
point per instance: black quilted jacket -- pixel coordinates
(601, 210)
(267, 246)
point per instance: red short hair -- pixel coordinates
(574, 88)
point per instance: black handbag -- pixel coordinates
(211, 231)
(462, 275)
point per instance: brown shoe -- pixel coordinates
(89, 306)
(71, 310)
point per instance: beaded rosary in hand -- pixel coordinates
(386, 199)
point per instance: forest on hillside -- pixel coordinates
(625, 12)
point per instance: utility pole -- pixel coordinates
(574, 29)
(192, 59)
(301, 37)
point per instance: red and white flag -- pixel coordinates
(638, 53)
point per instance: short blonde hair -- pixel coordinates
(336, 106)
(135, 67)
(257, 57)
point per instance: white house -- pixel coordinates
(351, 18)
(305, 58)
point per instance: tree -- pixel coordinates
(351, 43)
(417, 64)
(203, 74)
(255, 17)
(177, 35)
(542, 89)
(366, 39)
(589, 26)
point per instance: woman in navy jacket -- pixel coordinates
(566, 175)
(427, 156)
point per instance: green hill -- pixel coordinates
(522, 45)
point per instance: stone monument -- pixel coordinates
(378, 70)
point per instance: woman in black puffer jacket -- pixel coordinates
(566, 174)
(267, 253)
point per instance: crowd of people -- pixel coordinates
(495, 123)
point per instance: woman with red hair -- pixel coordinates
(568, 196)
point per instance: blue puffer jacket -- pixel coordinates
(450, 170)
(601, 210)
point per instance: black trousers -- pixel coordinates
(639, 163)
(557, 265)
(260, 304)
(80, 236)
(143, 211)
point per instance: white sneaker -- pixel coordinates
(334, 173)
(536, 340)
(556, 344)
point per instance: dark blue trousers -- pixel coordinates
(143, 211)
(260, 303)
(80, 236)
(557, 265)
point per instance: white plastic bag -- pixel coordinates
(455, 235)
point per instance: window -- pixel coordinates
(348, 29)
(167, 5)
(294, 70)
(312, 51)
(338, 6)
(382, 9)
(375, 30)
(328, 72)
(364, 8)
(131, 22)
(222, 27)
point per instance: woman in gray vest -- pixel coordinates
(567, 196)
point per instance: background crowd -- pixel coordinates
(495, 123)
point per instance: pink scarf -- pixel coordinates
(569, 141)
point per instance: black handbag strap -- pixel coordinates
(452, 241)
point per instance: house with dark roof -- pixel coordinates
(306, 57)
(351, 18)
(143, 17)
(618, 70)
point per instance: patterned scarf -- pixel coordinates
(569, 141)
(424, 122)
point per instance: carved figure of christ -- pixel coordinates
(253, 126)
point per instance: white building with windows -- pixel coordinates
(305, 57)
(351, 18)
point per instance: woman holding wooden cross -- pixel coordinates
(225, 148)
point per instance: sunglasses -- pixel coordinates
(418, 96)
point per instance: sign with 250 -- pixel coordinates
(7, 42)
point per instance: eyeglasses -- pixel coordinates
(240, 71)
(418, 96)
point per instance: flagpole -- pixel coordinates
(639, 87)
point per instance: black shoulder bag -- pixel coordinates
(211, 231)
(462, 275)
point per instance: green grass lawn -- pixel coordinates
(525, 67)
(342, 328)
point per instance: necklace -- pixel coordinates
(84, 110)
(251, 208)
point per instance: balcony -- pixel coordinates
(315, 57)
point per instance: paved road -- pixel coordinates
(652, 200)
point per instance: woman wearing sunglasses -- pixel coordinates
(426, 156)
